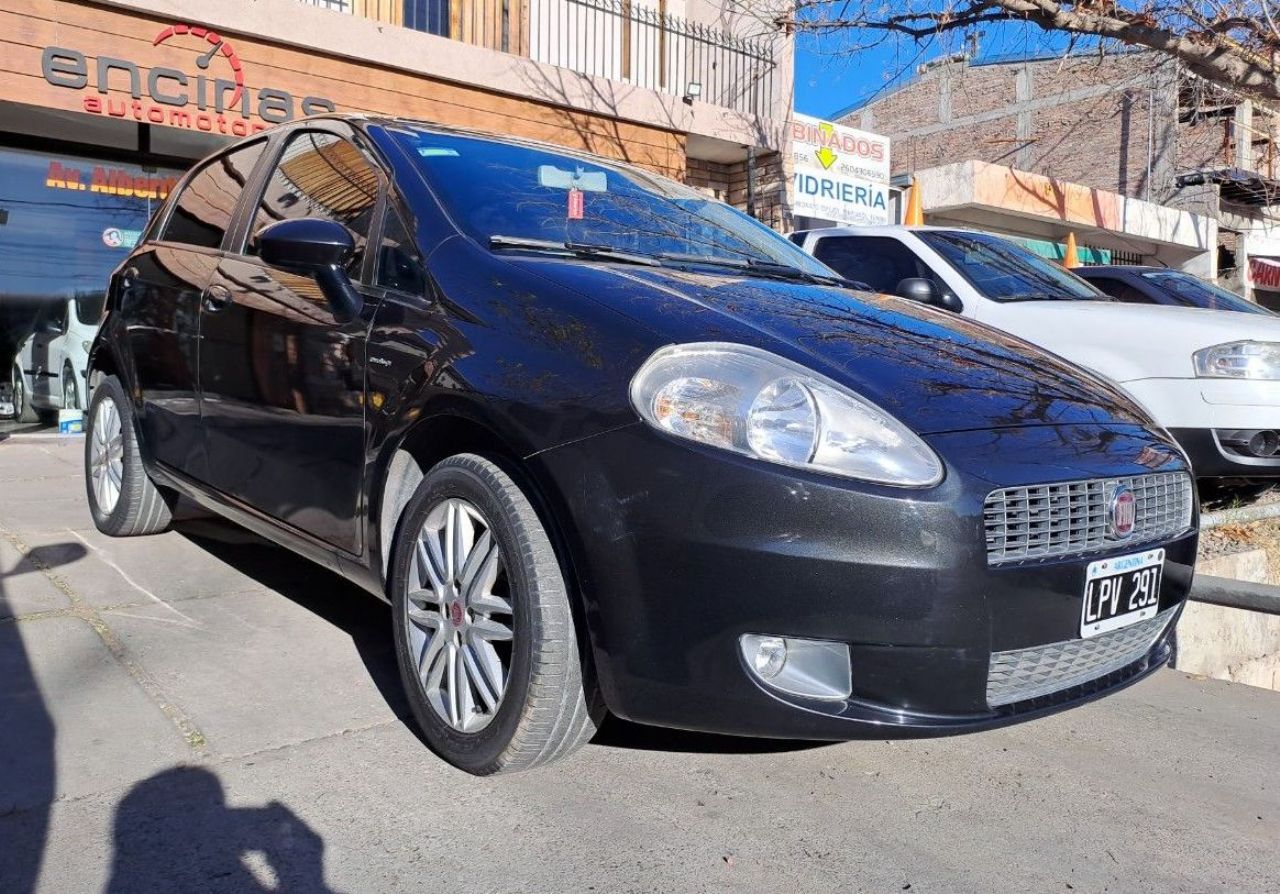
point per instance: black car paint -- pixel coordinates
(674, 549)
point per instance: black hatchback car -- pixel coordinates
(606, 444)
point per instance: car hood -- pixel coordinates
(935, 371)
(1128, 342)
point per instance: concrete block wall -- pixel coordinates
(1081, 119)
(728, 183)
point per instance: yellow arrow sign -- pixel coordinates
(826, 157)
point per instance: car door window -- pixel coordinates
(320, 175)
(203, 210)
(1120, 290)
(879, 261)
(400, 264)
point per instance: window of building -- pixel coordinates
(65, 223)
(206, 204)
(320, 175)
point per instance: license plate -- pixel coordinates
(1121, 591)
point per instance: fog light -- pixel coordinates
(810, 667)
(770, 657)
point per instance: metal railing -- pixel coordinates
(622, 40)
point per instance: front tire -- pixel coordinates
(484, 631)
(123, 500)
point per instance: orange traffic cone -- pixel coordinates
(915, 206)
(1071, 258)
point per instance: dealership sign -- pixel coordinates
(839, 173)
(209, 92)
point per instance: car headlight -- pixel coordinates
(1239, 360)
(764, 406)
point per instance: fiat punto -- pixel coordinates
(606, 444)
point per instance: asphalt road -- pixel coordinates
(194, 712)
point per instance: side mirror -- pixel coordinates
(318, 248)
(917, 288)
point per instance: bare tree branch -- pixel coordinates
(1234, 43)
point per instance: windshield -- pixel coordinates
(1003, 271)
(1189, 291)
(499, 193)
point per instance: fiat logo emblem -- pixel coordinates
(1123, 513)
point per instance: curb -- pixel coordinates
(1236, 594)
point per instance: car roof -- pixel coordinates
(879, 230)
(1121, 268)
(364, 120)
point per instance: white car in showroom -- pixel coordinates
(49, 371)
(1210, 377)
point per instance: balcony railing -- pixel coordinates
(617, 39)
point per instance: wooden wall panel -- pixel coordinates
(27, 26)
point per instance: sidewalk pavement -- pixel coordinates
(198, 711)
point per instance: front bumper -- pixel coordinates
(679, 550)
(1210, 459)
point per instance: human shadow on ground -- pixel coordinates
(368, 621)
(28, 773)
(175, 832)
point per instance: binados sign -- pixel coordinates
(214, 97)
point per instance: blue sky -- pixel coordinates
(830, 75)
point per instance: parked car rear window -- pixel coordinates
(320, 175)
(1191, 291)
(1004, 271)
(493, 188)
(203, 210)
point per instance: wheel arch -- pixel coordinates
(434, 438)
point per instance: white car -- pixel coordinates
(50, 368)
(1210, 377)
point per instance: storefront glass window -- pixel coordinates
(65, 223)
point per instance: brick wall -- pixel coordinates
(1082, 119)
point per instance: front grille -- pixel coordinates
(1045, 521)
(1023, 674)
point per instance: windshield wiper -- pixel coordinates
(767, 268)
(1045, 296)
(577, 249)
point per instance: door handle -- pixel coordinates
(216, 298)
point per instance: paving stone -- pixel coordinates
(262, 669)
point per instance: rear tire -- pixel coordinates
(22, 409)
(486, 613)
(123, 500)
(70, 391)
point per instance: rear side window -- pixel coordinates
(399, 263)
(878, 261)
(320, 175)
(1120, 290)
(203, 210)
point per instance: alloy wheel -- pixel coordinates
(106, 458)
(459, 615)
(70, 399)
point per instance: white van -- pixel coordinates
(1210, 377)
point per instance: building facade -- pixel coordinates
(1181, 173)
(104, 104)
